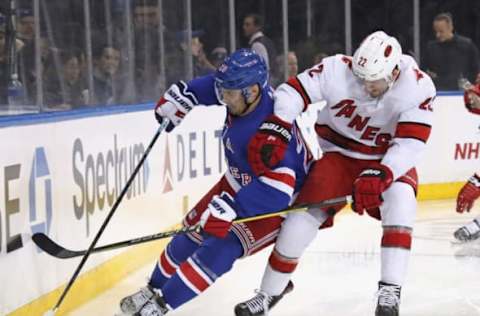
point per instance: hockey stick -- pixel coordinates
(55, 250)
(109, 216)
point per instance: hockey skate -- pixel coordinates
(388, 299)
(146, 302)
(261, 303)
(469, 232)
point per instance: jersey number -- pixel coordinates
(362, 61)
(318, 69)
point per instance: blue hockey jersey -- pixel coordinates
(270, 192)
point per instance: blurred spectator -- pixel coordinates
(146, 17)
(292, 70)
(68, 90)
(218, 55)
(259, 42)
(107, 81)
(4, 66)
(27, 67)
(26, 24)
(451, 56)
(201, 64)
(4, 78)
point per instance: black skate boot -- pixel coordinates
(261, 303)
(146, 302)
(388, 303)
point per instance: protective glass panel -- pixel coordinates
(449, 38)
(316, 30)
(265, 17)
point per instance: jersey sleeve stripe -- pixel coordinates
(297, 85)
(183, 87)
(283, 174)
(414, 130)
(282, 179)
(232, 182)
(328, 134)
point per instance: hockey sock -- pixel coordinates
(395, 253)
(297, 232)
(177, 251)
(214, 258)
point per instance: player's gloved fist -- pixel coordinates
(468, 194)
(268, 146)
(175, 104)
(217, 218)
(168, 110)
(471, 98)
(369, 186)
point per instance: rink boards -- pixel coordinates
(61, 173)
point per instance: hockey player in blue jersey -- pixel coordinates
(192, 262)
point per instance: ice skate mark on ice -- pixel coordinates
(373, 255)
(468, 250)
(437, 229)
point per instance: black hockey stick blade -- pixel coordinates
(54, 249)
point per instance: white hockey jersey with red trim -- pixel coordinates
(393, 128)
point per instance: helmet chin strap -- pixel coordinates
(246, 94)
(248, 105)
(391, 79)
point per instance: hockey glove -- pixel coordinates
(217, 218)
(268, 146)
(471, 97)
(174, 105)
(369, 186)
(468, 194)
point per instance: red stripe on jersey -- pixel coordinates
(194, 277)
(413, 130)
(165, 264)
(282, 177)
(398, 237)
(325, 132)
(282, 264)
(297, 85)
(410, 178)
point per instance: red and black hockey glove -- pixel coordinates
(268, 146)
(369, 186)
(166, 109)
(174, 105)
(471, 99)
(468, 194)
(219, 215)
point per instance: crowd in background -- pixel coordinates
(132, 50)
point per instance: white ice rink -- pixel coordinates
(339, 272)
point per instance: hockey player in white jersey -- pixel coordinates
(471, 190)
(373, 130)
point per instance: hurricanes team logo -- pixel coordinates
(40, 193)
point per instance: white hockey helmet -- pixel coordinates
(377, 57)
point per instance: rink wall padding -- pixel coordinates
(61, 173)
(95, 281)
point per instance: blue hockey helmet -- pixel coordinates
(242, 69)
